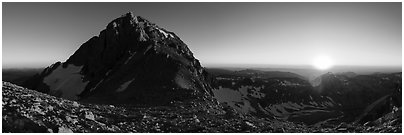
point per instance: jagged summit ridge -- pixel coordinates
(131, 61)
(140, 24)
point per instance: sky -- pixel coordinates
(360, 34)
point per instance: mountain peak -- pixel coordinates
(132, 18)
(131, 61)
(130, 14)
(143, 29)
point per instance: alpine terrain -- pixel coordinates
(331, 98)
(138, 77)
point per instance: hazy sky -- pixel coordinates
(39, 34)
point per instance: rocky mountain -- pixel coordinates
(341, 97)
(138, 77)
(280, 95)
(25, 110)
(356, 93)
(132, 61)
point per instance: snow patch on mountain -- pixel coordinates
(246, 107)
(67, 81)
(124, 85)
(165, 33)
(235, 99)
(227, 95)
(142, 35)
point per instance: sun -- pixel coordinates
(323, 62)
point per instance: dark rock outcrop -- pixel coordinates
(381, 107)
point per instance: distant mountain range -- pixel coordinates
(19, 76)
(284, 95)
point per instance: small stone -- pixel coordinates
(157, 127)
(69, 119)
(36, 104)
(196, 119)
(38, 110)
(64, 130)
(342, 129)
(13, 101)
(114, 128)
(75, 104)
(37, 99)
(89, 115)
(99, 123)
(249, 124)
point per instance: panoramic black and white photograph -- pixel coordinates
(201, 67)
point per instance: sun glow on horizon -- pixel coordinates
(323, 62)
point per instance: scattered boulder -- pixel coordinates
(89, 115)
(64, 130)
(75, 104)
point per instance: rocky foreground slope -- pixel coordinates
(27, 110)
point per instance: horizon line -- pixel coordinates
(240, 66)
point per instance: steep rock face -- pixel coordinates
(131, 61)
(381, 107)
